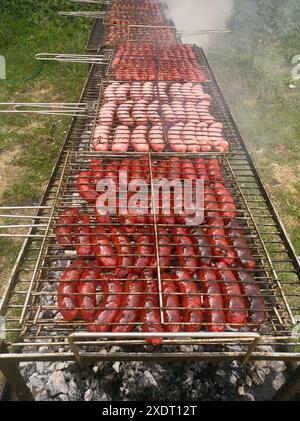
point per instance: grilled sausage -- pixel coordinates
(85, 186)
(121, 139)
(156, 138)
(67, 290)
(124, 251)
(254, 299)
(164, 250)
(144, 251)
(234, 302)
(171, 304)
(97, 170)
(225, 200)
(102, 248)
(185, 250)
(214, 170)
(175, 140)
(87, 289)
(217, 237)
(153, 113)
(101, 138)
(139, 139)
(205, 254)
(150, 315)
(83, 243)
(191, 300)
(240, 244)
(213, 304)
(139, 113)
(132, 302)
(64, 227)
(211, 207)
(110, 305)
(201, 170)
(123, 113)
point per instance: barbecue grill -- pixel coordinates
(29, 304)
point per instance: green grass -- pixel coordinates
(38, 138)
(253, 65)
(28, 143)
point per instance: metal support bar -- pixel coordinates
(203, 32)
(93, 15)
(100, 2)
(13, 377)
(72, 58)
(45, 108)
(205, 337)
(290, 388)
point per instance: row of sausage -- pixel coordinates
(136, 62)
(217, 298)
(185, 247)
(218, 200)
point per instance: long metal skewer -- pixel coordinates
(58, 108)
(100, 2)
(204, 32)
(73, 58)
(93, 15)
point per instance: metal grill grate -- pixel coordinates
(41, 261)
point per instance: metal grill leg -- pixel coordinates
(13, 377)
(290, 388)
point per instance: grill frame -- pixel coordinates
(75, 153)
(259, 205)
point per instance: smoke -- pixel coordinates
(192, 15)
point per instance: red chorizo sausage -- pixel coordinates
(225, 200)
(172, 315)
(255, 302)
(150, 315)
(83, 242)
(124, 251)
(164, 250)
(205, 254)
(110, 304)
(234, 302)
(144, 251)
(191, 300)
(102, 248)
(85, 186)
(132, 302)
(67, 290)
(214, 170)
(211, 207)
(87, 289)
(185, 250)
(217, 238)
(240, 244)
(64, 229)
(213, 303)
(97, 170)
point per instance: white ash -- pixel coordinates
(141, 381)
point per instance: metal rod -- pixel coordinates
(59, 108)
(100, 2)
(203, 32)
(36, 269)
(93, 15)
(13, 376)
(72, 58)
